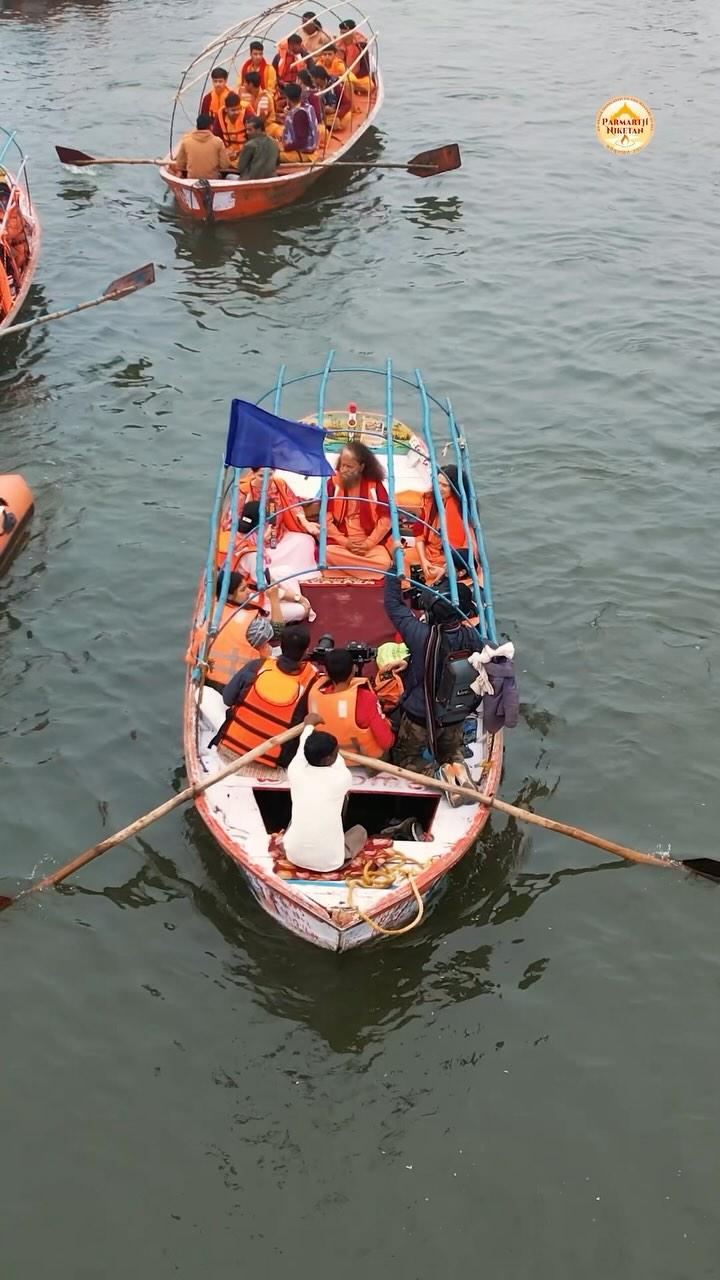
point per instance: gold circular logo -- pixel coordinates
(624, 125)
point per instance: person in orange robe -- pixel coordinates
(428, 549)
(279, 498)
(357, 530)
(332, 62)
(215, 99)
(352, 45)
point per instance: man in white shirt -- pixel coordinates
(319, 782)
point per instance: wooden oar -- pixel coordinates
(120, 288)
(140, 824)
(66, 155)
(708, 867)
(424, 165)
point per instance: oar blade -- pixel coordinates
(440, 160)
(707, 867)
(66, 155)
(138, 279)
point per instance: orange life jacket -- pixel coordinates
(267, 709)
(261, 106)
(389, 688)
(288, 67)
(268, 75)
(230, 649)
(339, 710)
(215, 100)
(233, 131)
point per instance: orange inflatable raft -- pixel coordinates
(16, 508)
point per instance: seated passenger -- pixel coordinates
(256, 62)
(289, 62)
(353, 47)
(312, 33)
(300, 136)
(267, 696)
(215, 99)
(332, 61)
(260, 156)
(428, 544)
(246, 628)
(287, 555)
(357, 530)
(349, 708)
(230, 127)
(336, 97)
(257, 101)
(279, 498)
(201, 154)
(319, 782)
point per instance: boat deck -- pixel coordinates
(235, 807)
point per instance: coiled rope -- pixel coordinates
(384, 877)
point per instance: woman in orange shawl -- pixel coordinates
(280, 497)
(428, 544)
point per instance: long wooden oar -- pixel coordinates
(140, 824)
(424, 165)
(66, 155)
(707, 867)
(120, 288)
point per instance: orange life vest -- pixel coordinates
(230, 649)
(288, 67)
(267, 73)
(215, 99)
(389, 688)
(233, 131)
(261, 106)
(339, 711)
(267, 709)
(6, 297)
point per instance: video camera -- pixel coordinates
(361, 653)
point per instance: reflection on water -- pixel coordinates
(37, 10)
(431, 211)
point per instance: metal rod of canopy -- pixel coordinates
(260, 557)
(227, 564)
(475, 518)
(458, 448)
(214, 530)
(322, 549)
(390, 438)
(358, 368)
(6, 146)
(427, 436)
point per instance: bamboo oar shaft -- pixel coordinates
(523, 815)
(69, 311)
(147, 819)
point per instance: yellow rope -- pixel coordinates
(384, 878)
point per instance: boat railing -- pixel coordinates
(21, 174)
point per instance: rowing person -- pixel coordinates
(201, 154)
(319, 782)
(260, 156)
(215, 98)
(256, 62)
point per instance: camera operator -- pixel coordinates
(432, 710)
(349, 707)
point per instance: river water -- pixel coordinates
(526, 1086)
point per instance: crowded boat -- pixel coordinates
(346, 593)
(19, 230)
(276, 97)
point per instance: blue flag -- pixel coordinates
(257, 438)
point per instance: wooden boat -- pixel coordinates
(16, 509)
(245, 810)
(19, 231)
(230, 199)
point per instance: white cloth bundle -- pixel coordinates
(478, 662)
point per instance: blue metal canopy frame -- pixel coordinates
(453, 438)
